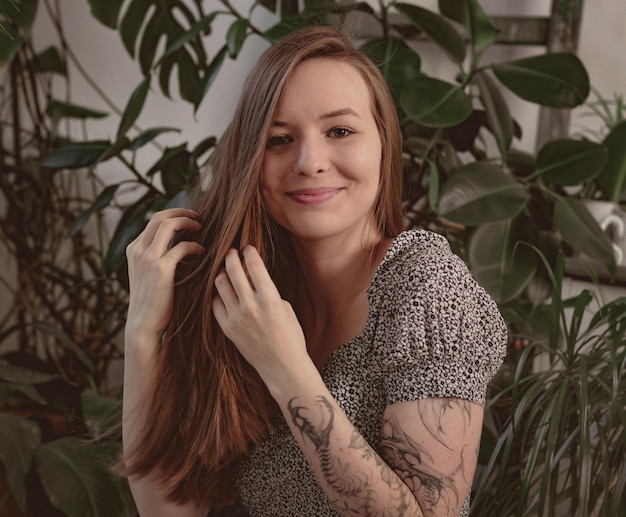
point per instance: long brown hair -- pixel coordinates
(207, 406)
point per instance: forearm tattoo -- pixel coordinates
(353, 487)
(412, 462)
(405, 467)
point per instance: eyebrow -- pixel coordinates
(326, 116)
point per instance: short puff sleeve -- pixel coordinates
(443, 335)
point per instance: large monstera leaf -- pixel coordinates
(145, 24)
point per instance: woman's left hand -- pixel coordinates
(252, 314)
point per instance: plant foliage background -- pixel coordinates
(554, 438)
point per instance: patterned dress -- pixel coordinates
(432, 331)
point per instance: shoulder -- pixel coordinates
(421, 263)
(434, 317)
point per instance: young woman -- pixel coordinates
(294, 346)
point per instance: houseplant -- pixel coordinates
(554, 444)
(58, 337)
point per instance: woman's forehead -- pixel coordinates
(325, 85)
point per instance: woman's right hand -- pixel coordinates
(151, 269)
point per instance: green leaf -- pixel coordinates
(210, 76)
(20, 375)
(480, 193)
(102, 201)
(188, 79)
(134, 107)
(434, 182)
(178, 201)
(50, 330)
(116, 148)
(203, 146)
(270, 5)
(150, 38)
(165, 157)
(496, 110)
(172, 20)
(581, 231)
(16, 21)
(106, 11)
(557, 80)
(319, 7)
(128, 229)
(194, 32)
(50, 61)
(101, 414)
(58, 110)
(148, 135)
(398, 63)
(76, 155)
(435, 103)
(10, 43)
(131, 23)
(285, 27)
(570, 162)
(288, 8)
(178, 171)
(20, 14)
(612, 178)
(236, 36)
(469, 13)
(436, 28)
(27, 390)
(500, 263)
(78, 479)
(19, 437)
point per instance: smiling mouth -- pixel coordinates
(313, 196)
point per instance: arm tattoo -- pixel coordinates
(335, 473)
(416, 468)
(433, 413)
(354, 491)
(412, 461)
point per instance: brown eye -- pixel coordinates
(278, 140)
(340, 132)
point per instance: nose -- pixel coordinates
(312, 157)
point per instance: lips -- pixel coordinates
(314, 196)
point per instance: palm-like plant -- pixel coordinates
(556, 442)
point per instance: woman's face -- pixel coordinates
(321, 168)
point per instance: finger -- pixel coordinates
(167, 230)
(237, 275)
(162, 239)
(155, 221)
(259, 275)
(219, 311)
(183, 249)
(226, 292)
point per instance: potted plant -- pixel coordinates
(603, 191)
(555, 440)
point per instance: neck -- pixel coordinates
(335, 271)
